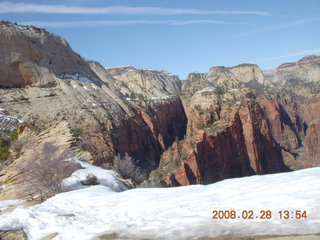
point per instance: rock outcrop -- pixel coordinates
(307, 69)
(32, 56)
(224, 79)
(222, 142)
(146, 83)
(248, 73)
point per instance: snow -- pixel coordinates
(19, 27)
(94, 86)
(76, 76)
(9, 203)
(6, 120)
(207, 89)
(125, 66)
(174, 213)
(164, 97)
(234, 90)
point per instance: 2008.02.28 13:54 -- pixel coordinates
(263, 214)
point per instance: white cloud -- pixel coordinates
(279, 26)
(9, 7)
(296, 54)
(119, 22)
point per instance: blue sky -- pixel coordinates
(180, 36)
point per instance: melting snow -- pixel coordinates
(173, 213)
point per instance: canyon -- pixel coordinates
(229, 122)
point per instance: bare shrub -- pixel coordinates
(126, 167)
(46, 170)
(18, 144)
(91, 179)
(150, 183)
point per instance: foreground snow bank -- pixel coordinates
(105, 177)
(176, 213)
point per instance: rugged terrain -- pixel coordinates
(229, 122)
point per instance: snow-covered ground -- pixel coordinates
(174, 213)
